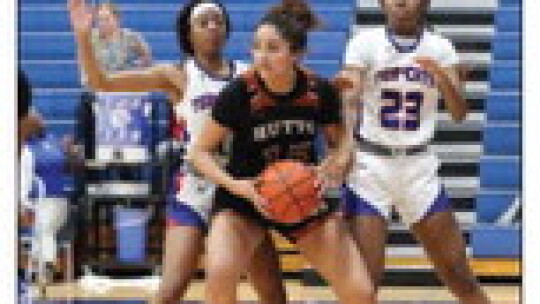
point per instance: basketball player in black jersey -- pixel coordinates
(202, 28)
(273, 112)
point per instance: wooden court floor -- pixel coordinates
(297, 293)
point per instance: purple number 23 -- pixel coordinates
(401, 111)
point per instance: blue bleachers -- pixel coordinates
(506, 46)
(52, 75)
(513, 3)
(503, 106)
(490, 206)
(61, 46)
(500, 167)
(508, 19)
(57, 106)
(505, 76)
(163, 20)
(491, 241)
(66, 75)
(48, 48)
(500, 173)
(502, 140)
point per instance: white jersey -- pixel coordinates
(400, 99)
(202, 90)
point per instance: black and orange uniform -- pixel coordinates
(267, 127)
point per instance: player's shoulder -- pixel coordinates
(437, 40)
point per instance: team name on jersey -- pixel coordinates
(411, 73)
(283, 127)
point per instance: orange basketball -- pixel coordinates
(291, 191)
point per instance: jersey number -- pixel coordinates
(401, 111)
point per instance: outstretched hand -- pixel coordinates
(81, 16)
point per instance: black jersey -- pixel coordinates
(267, 127)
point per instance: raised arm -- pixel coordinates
(162, 78)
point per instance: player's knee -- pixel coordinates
(362, 294)
(359, 291)
(221, 272)
(170, 294)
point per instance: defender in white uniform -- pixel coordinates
(191, 198)
(399, 72)
(398, 116)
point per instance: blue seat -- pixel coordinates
(505, 76)
(52, 75)
(47, 47)
(507, 46)
(508, 19)
(57, 106)
(489, 207)
(502, 140)
(37, 20)
(509, 3)
(503, 107)
(496, 241)
(498, 173)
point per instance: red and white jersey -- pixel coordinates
(399, 103)
(202, 90)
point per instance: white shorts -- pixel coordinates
(190, 199)
(410, 184)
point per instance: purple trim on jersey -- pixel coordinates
(354, 204)
(180, 214)
(441, 204)
(214, 76)
(391, 36)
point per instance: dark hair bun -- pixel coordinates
(299, 11)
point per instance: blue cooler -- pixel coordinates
(131, 234)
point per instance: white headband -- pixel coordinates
(203, 8)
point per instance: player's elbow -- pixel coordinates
(98, 84)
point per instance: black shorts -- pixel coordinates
(225, 201)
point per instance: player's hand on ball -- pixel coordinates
(81, 16)
(246, 189)
(332, 171)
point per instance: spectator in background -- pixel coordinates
(29, 124)
(43, 201)
(117, 48)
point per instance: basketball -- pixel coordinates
(291, 191)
